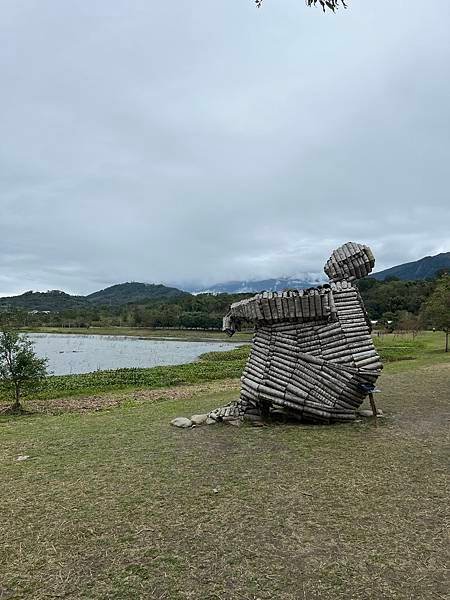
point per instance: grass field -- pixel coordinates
(113, 503)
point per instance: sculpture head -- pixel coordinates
(350, 261)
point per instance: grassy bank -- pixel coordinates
(211, 366)
(118, 505)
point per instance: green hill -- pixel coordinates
(134, 292)
(420, 269)
(116, 295)
(53, 301)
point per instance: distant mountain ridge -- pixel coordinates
(419, 269)
(115, 295)
(269, 285)
(135, 292)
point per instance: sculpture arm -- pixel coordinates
(315, 304)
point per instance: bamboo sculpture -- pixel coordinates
(312, 356)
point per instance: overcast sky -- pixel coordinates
(208, 140)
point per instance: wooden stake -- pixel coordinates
(374, 408)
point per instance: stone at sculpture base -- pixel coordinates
(181, 422)
(199, 419)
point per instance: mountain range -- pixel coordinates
(419, 269)
(253, 286)
(135, 292)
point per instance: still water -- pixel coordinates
(72, 353)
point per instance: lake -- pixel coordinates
(70, 354)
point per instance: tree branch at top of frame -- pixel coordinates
(330, 4)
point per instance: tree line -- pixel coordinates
(392, 303)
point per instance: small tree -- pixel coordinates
(436, 310)
(408, 322)
(20, 369)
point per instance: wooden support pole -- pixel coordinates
(374, 408)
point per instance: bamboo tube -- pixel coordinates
(333, 344)
(274, 384)
(279, 308)
(261, 356)
(262, 343)
(346, 405)
(279, 374)
(374, 363)
(294, 391)
(363, 354)
(351, 399)
(343, 416)
(334, 354)
(305, 308)
(303, 379)
(256, 364)
(250, 384)
(334, 386)
(312, 306)
(284, 360)
(263, 336)
(349, 328)
(291, 307)
(344, 360)
(351, 335)
(337, 375)
(347, 310)
(248, 392)
(256, 373)
(296, 406)
(316, 413)
(256, 360)
(320, 396)
(298, 308)
(328, 330)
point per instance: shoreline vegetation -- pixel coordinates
(399, 352)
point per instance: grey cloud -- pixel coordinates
(210, 141)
